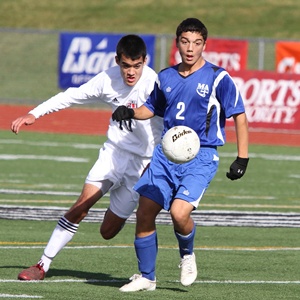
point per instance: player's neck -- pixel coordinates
(186, 69)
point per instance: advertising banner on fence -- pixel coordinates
(229, 54)
(288, 57)
(83, 55)
(272, 100)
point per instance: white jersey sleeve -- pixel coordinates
(108, 87)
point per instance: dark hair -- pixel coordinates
(131, 46)
(192, 25)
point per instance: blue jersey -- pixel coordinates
(202, 101)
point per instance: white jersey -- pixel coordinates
(108, 87)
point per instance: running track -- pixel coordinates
(95, 122)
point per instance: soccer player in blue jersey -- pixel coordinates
(200, 95)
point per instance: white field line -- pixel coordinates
(248, 282)
(95, 146)
(50, 144)
(76, 159)
(203, 248)
(103, 201)
(47, 281)
(44, 157)
(248, 205)
(36, 192)
(20, 296)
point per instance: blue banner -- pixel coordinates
(83, 55)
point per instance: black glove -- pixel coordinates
(237, 168)
(123, 113)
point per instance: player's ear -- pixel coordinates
(117, 60)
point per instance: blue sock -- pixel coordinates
(186, 243)
(146, 252)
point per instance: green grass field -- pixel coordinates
(47, 170)
(242, 18)
(234, 262)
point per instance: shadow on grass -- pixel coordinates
(98, 279)
(90, 277)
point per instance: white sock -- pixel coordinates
(62, 234)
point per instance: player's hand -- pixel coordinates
(237, 168)
(123, 114)
(27, 120)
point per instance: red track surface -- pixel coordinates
(95, 122)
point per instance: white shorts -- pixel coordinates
(122, 169)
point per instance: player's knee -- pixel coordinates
(106, 235)
(179, 219)
(109, 233)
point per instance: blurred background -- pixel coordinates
(30, 32)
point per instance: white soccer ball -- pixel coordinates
(180, 144)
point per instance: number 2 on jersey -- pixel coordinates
(181, 108)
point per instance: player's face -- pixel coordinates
(191, 46)
(131, 70)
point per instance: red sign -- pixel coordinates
(229, 54)
(272, 100)
(288, 57)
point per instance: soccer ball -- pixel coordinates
(180, 144)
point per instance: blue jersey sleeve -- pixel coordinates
(156, 102)
(229, 96)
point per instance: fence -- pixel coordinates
(29, 60)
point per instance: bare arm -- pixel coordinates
(242, 135)
(142, 113)
(28, 119)
(238, 167)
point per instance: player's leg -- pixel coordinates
(145, 247)
(181, 216)
(123, 201)
(90, 194)
(197, 177)
(145, 217)
(146, 238)
(150, 187)
(65, 229)
(184, 226)
(111, 225)
(185, 230)
(67, 226)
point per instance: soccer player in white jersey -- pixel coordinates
(123, 156)
(200, 95)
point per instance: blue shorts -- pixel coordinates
(165, 181)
